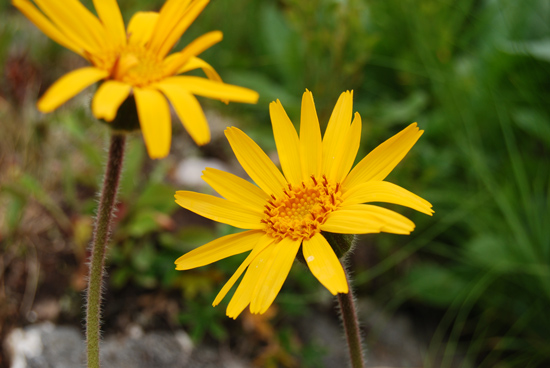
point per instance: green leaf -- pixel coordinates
(281, 43)
(120, 276)
(27, 186)
(398, 112)
(490, 252)
(539, 49)
(143, 258)
(93, 154)
(534, 123)
(218, 331)
(268, 89)
(192, 237)
(433, 284)
(168, 240)
(133, 163)
(146, 280)
(194, 284)
(142, 223)
(158, 196)
(14, 212)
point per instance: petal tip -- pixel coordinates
(43, 107)
(202, 142)
(307, 93)
(217, 35)
(255, 97)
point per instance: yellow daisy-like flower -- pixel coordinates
(316, 193)
(134, 61)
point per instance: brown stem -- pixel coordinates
(351, 326)
(101, 235)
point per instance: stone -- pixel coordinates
(189, 171)
(45, 345)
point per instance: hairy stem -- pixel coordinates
(351, 326)
(99, 245)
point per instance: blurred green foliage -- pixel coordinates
(473, 73)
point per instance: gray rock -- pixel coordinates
(45, 346)
(210, 358)
(189, 171)
(153, 349)
(390, 339)
(48, 346)
(327, 334)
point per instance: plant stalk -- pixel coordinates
(101, 235)
(351, 326)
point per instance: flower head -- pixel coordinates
(135, 61)
(287, 211)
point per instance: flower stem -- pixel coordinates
(102, 230)
(351, 326)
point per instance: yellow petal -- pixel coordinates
(220, 248)
(177, 60)
(383, 191)
(76, 22)
(263, 242)
(141, 26)
(364, 219)
(310, 138)
(348, 222)
(255, 162)
(181, 21)
(336, 135)
(196, 63)
(44, 24)
(163, 27)
(188, 110)
(154, 118)
(110, 16)
(392, 221)
(273, 274)
(211, 89)
(108, 98)
(169, 15)
(349, 149)
(220, 210)
(68, 86)
(324, 264)
(88, 20)
(245, 292)
(382, 160)
(287, 141)
(236, 189)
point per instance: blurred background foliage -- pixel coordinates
(474, 74)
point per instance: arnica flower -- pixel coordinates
(134, 61)
(316, 193)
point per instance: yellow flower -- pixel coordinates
(317, 193)
(134, 61)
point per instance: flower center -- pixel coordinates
(132, 64)
(302, 210)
